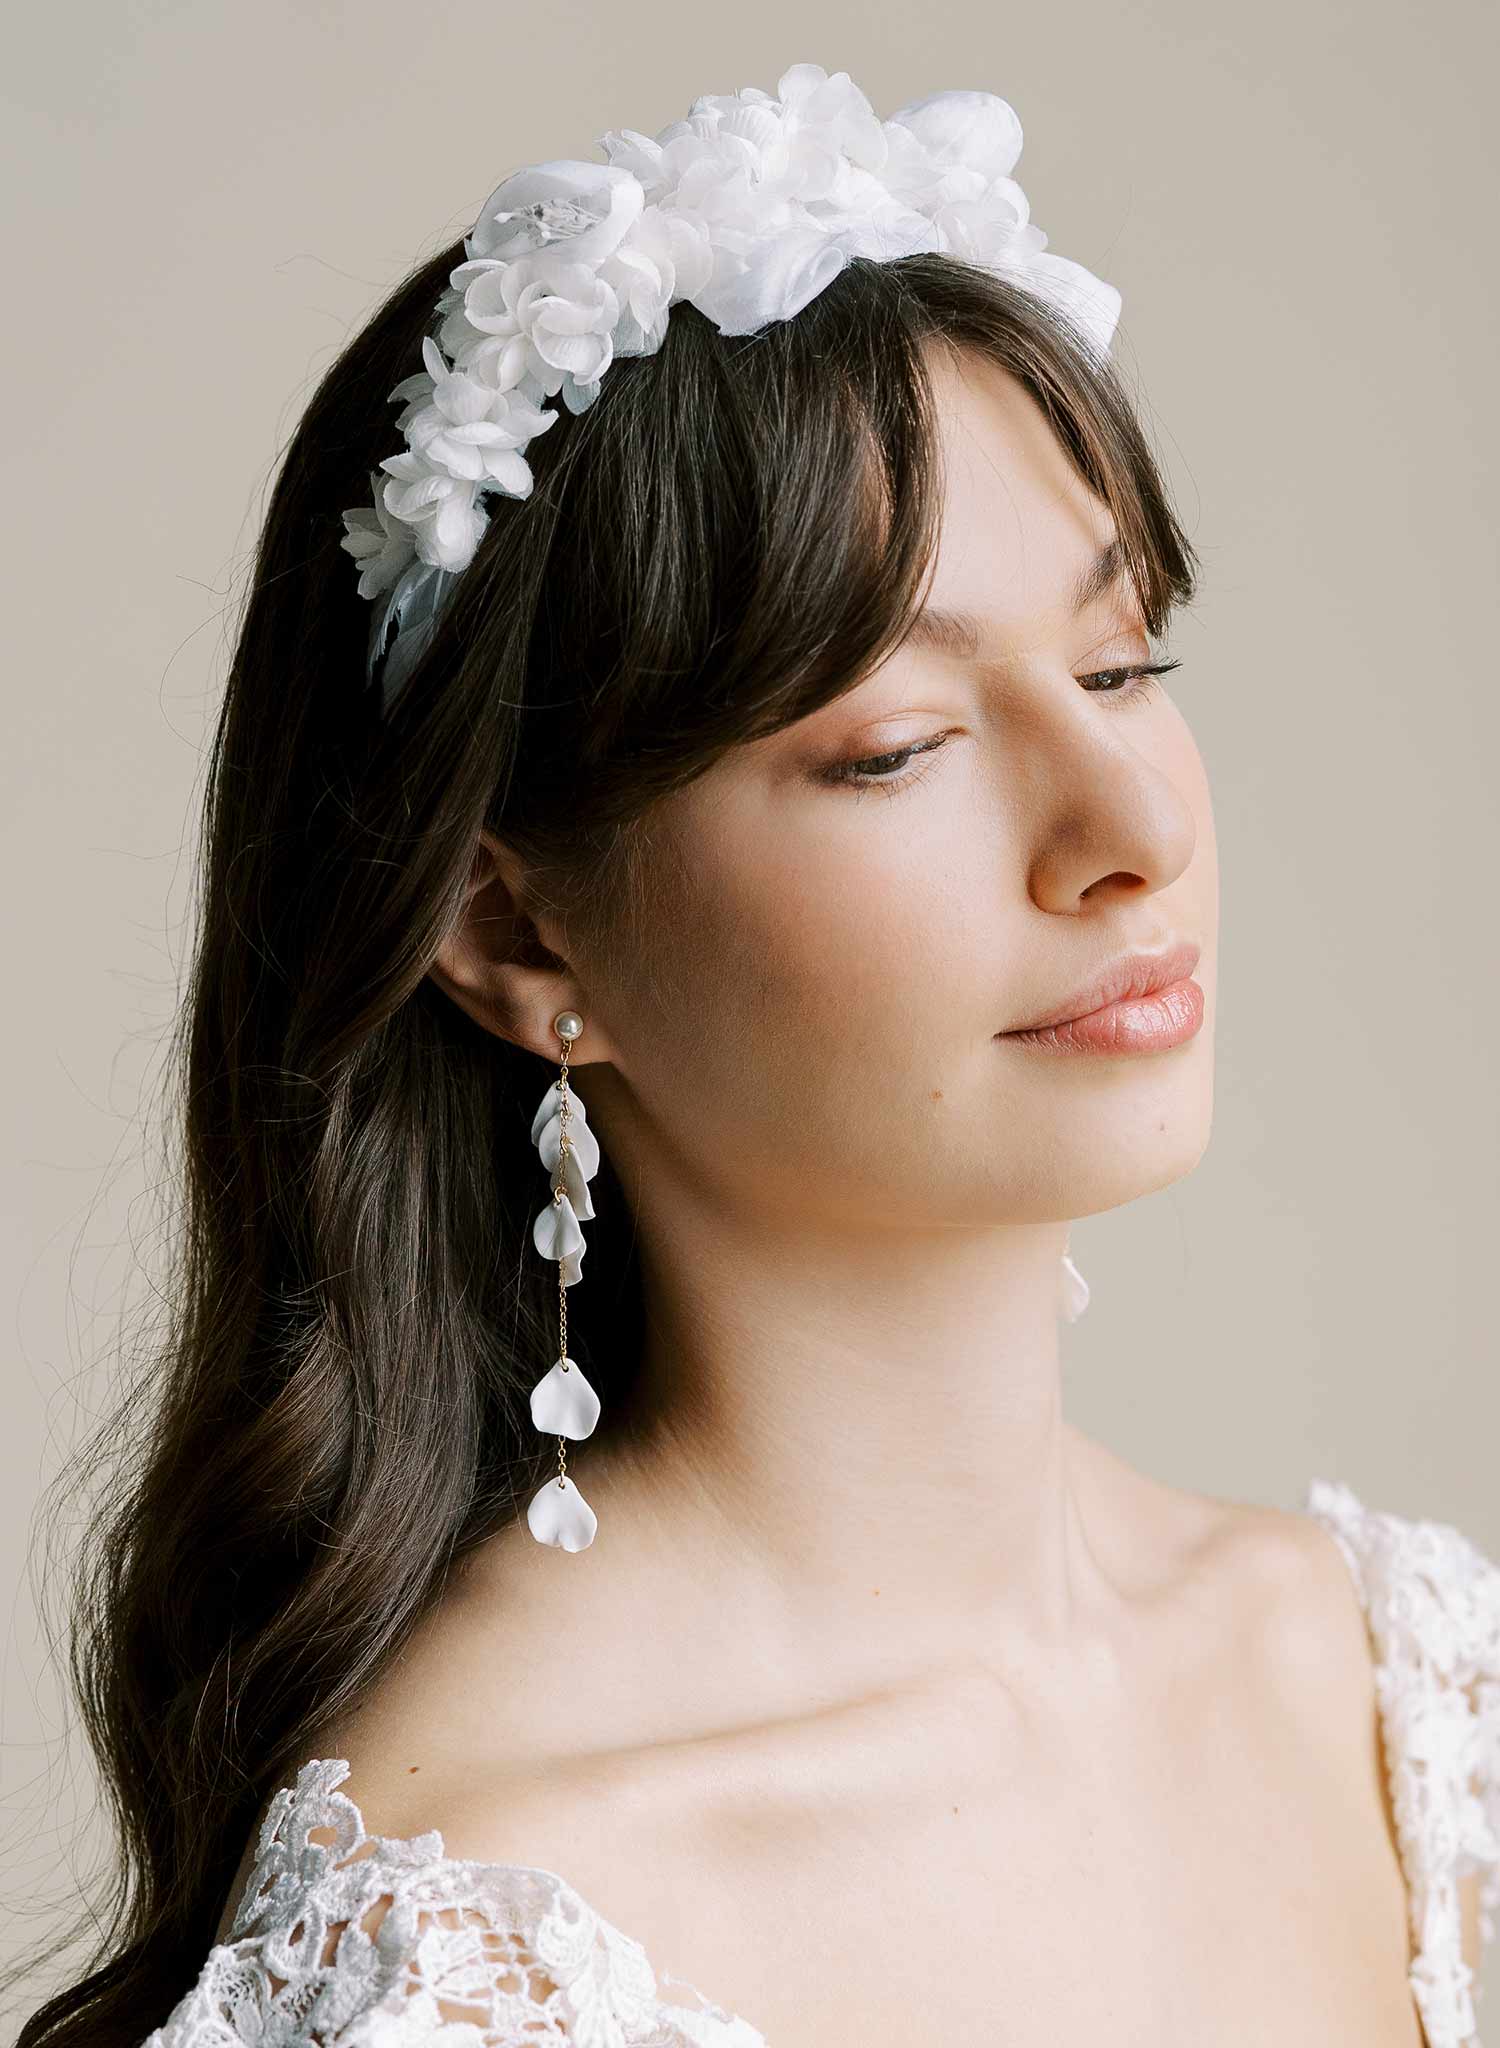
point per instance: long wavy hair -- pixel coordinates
(336, 1408)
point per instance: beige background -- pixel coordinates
(1297, 202)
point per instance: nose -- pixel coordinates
(1108, 815)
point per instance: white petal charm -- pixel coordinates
(582, 1143)
(548, 1107)
(555, 1232)
(583, 1148)
(1075, 1291)
(582, 1161)
(559, 1514)
(575, 1179)
(563, 1403)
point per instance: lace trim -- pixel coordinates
(1432, 1603)
(463, 1954)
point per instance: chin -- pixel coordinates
(1138, 1132)
(1122, 1165)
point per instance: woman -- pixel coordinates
(490, 1626)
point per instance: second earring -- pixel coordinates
(1075, 1289)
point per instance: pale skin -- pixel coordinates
(886, 1706)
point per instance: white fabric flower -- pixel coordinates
(441, 509)
(747, 209)
(589, 208)
(970, 131)
(467, 427)
(379, 541)
(669, 256)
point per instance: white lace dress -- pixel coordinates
(505, 1955)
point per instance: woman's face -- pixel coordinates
(861, 905)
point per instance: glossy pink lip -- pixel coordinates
(1123, 982)
(1133, 1024)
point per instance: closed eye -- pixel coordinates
(879, 771)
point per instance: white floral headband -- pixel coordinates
(747, 209)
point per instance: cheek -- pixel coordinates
(876, 916)
(817, 999)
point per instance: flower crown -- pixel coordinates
(747, 209)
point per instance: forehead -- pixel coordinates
(1022, 532)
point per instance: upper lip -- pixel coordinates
(1130, 974)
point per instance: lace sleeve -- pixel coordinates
(1432, 1599)
(385, 1942)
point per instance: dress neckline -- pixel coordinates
(1328, 1502)
(315, 1800)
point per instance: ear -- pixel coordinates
(496, 965)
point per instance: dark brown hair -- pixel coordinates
(735, 532)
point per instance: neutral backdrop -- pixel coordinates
(1297, 201)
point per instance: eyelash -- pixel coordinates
(1145, 676)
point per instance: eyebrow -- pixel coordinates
(961, 633)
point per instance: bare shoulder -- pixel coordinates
(1273, 1579)
(549, 1817)
(1298, 1592)
(1313, 1618)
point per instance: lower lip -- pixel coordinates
(1151, 1023)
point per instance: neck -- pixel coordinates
(830, 1422)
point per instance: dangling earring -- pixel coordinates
(1075, 1289)
(563, 1404)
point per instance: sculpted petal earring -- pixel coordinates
(563, 1404)
(1075, 1289)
